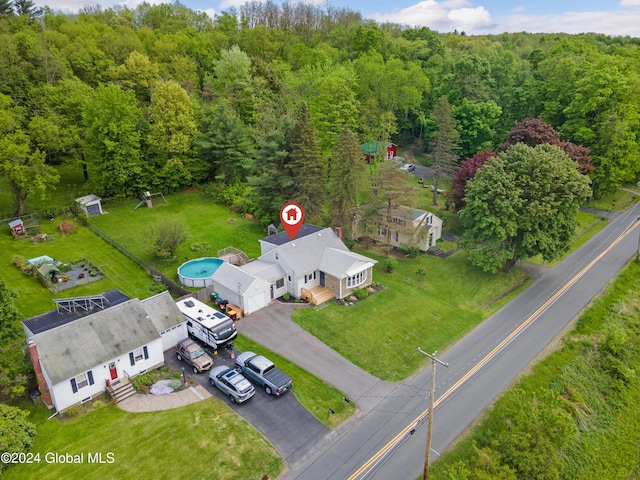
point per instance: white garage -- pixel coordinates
(240, 288)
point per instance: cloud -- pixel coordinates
(519, 9)
(630, 3)
(445, 16)
(615, 23)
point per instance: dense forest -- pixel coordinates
(269, 100)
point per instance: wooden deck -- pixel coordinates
(317, 295)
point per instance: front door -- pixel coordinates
(322, 278)
(113, 371)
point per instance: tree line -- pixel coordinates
(259, 101)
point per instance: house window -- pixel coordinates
(357, 279)
(289, 278)
(280, 283)
(81, 381)
(382, 231)
(394, 236)
(138, 355)
(276, 255)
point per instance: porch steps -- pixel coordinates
(120, 389)
(317, 295)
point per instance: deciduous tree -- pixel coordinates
(521, 204)
(16, 432)
(465, 172)
(113, 125)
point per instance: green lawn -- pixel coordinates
(202, 219)
(381, 333)
(204, 440)
(34, 298)
(314, 394)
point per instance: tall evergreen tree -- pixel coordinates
(308, 166)
(345, 176)
(444, 144)
(226, 146)
(274, 184)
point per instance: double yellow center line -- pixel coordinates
(383, 451)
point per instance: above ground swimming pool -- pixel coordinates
(198, 272)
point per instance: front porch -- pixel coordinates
(316, 295)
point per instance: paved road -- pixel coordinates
(350, 448)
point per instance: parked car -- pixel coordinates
(232, 383)
(193, 354)
(263, 372)
(408, 167)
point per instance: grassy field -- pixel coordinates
(314, 394)
(202, 220)
(204, 440)
(575, 416)
(381, 333)
(34, 298)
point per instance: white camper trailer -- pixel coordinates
(213, 328)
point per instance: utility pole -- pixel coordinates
(432, 394)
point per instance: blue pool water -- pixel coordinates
(197, 273)
(200, 268)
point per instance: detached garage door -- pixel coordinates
(172, 336)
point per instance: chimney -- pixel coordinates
(42, 384)
(338, 231)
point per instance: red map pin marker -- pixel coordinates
(292, 218)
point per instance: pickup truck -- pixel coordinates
(264, 373)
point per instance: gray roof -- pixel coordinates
(163, 311)
(90, 341)
(268, 270)
(303, 255)
(341, 264)
(235, 278)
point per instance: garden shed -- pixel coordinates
(17, 227)
(90, 204)
(48, 274)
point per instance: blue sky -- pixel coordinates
(611, 17)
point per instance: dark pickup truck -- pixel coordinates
(264, 373)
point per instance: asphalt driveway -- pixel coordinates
(286, 423)
(272, 327)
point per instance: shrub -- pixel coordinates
(175, 384)
(143, 380)
(286, 297)
(361, 293)
(349, 243)
(67, 227)
(390, 264)
(21, 262)
(199, 247)
(74, 411)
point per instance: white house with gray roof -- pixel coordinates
(315, 261)
(90, 342)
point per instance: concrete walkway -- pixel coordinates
(272, 327)
(141, 402)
